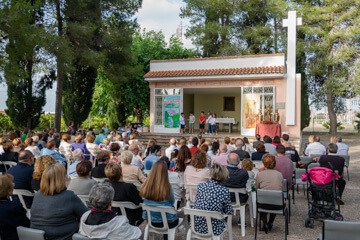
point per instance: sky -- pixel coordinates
(157, 15)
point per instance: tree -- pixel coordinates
(332, 51)
(26, 81)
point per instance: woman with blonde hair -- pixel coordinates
(55, 209)
(65, 146)
(130, 172)
(92, 147)
(79, 143)
(18, 146)
(157, 191)
(30, 145)
(39, 167)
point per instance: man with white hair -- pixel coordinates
(222, 158)
(136, 161)
(343, 149)
(78, 156)
(172, 147)
(124, 137)
(190, 145)
(241, 153)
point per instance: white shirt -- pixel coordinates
(1, 149)
(208, 119)
(182, 120)
(65, 149)
(35, 150)
(177, 183)
(212, 121)
(315, 148)
(169, 150)
(93, 148)
(343, 149)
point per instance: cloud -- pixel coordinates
(163, 15)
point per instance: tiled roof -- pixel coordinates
(215, 72)
(3, 112)
(221, 57)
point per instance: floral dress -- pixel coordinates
(211, 196)
(115, 157)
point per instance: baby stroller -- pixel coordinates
(321, 194)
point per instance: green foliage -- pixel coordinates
(357, 123)
(5, 123)
(45, 123)
(327, 125)
(96, 122)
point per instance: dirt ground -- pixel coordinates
(299, 210)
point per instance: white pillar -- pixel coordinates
(291, 24)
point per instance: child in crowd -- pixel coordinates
(202, 122)
(212, 122)
(105, 144)
(248, 165)
(191, 122)
(182, 124)
(209, 123)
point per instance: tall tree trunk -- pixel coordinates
(275, 35)
(28, 101)
(60, 75)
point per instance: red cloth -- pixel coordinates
(320, 175)
(271, 130)
(202, 119)
(193, 150)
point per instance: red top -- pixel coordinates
(193, 150)
(202, 119)
(275, 144)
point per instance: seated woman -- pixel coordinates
(176, 181)
(157, 191)
(197, 172)
(9, 154)
(65, 146)
(79, 139)
(12, 214)
(39, 167)
(269, 179)
(18, 146)
(82, 184)
(260, 151)
(220, 200)
(30, 145)
(55, 209)
(214, 152)
(115, 153)
(183, 159)
(90, 145)
(129, 171)
(124, 192)
(49, 150)
(105, 144)
(101, 222)
(103, 158)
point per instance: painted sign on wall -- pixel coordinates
(172, 111)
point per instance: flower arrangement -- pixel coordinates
(268, 122)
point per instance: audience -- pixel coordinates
(194, 148)
(153, 157)
(49, 150)
(12, 213)
(30, 145)
(248, 165)
(247, 146)
(260, 152)
(101, 222)
(54, 198)
(65, 146)
(291, 153)
(343, 149)
(284, 165)
(269, 179)
(220, 200)
(227, 142)
(276, 141)
(39, 167)
(78, 156)
(103, 158)
(157, 191)
(310, 140)
(258, 137)
(130, 172)
(337, 164)
(92, 147)
(3, 140)
(197, 172)
(79, 139)
(285, 139)
(9, 154)
(315, 148)
(122, 144)
(183, 159)
(214, 152)
(269, 147)
(82, 184)
(237, 177)
(115, 153)
(172, 147)
(136, 160)
(18, 146)
(239, 150)
(100, 138)
(222, 158)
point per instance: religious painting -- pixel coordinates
(251, 103)
(172, 111)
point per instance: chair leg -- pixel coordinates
(171, 234)
(242, 220)
(293, 193)
(188, 235)
(146, 233)
(251, 214)
(256, 223)
(347, 170)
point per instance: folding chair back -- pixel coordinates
(305, 160)
(271, 197)
(21, 193)
(8, 164)
(85, 200)
(124, 205)
(334, 230)
(30, 234)
(315, 156)
(192, 193)
(208, 215)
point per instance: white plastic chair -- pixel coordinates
(136, 183)
(85, 200)
(124, 205)
(146, 172)
(207, 215)
(92, 159)
(30, 234)
(165, 229)
(21, 193)
(8, 163)
(241, 208)
(176, 187)
(334, 230)
(99, 180)
(192, 190)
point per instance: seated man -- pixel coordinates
(337, 163)
(269, 147)
(171, 148)
(136, 161)
(78, 156)
(315, 148)
(23, 172)
(242, 154)
(237, 177)
(258, 137)
(284, 165)
(292, 154)
(223, 156)
(103, 158)
(343, 149)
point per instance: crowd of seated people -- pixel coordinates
(214, 166)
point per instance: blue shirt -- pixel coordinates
(56, 155)
(156, 216)
(150, 160)
(71, 171)
(99, 138)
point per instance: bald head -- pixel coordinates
(233, 159)
(172, 141)
(223, 148)
(239, 143)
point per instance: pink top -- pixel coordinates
(195, 176)
(221, 159)
(320, 175)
